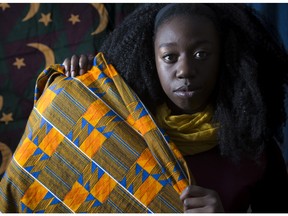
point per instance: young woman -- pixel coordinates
(212, 77)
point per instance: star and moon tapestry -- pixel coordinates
(34, 36)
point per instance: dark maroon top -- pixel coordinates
(263, 187)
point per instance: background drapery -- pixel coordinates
(38, 34)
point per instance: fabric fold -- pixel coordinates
(90, 145)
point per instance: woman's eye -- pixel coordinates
(170, 58)
(201, 55)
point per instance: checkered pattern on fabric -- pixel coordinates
(90, 145)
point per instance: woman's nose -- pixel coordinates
(186, 69)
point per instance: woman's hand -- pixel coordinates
(77, 66)
(197, 199)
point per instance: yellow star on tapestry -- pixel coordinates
(74, 19)
(19, 62)
(45, 18)
(6, 118)
(4, 6)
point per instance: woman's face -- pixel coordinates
(187, 53)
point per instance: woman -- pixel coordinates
(202, 71)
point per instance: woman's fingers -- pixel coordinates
(90, 62)
(78, 65)
(83, 62)
(74, 66)
(67, 65)
(199, 199)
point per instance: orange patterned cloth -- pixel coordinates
(90, 145)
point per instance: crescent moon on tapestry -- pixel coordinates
(1, 101)
(47, 52)
(6, 156)
(34, 7)
(103, 17)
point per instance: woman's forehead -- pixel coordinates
(183, 23)
(187, 31)
(183, 9)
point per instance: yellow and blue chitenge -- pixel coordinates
(90, 145)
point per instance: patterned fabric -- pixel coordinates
(192, 133)
(91, 146)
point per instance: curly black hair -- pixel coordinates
(249, 103)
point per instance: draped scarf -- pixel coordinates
(192, 133)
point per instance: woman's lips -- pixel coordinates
(184, 94)
(185, 91)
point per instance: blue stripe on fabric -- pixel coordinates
(108, 134)
(167, 203)
(36, 174)
(110, 113)
(115, 95)
(90, 197)
(149, 211)
(117, 119)
(100, 94)
(108, 80)
(87, 186)
(76, 142)
(116, 160)
(59, 110)
(138, 169)
(90, 128)
(143, 113)
(38, 151)
(57, 91)
(23, 206)
(100, 173)
(93, 167)
(130, 189)
(145, 175)
(69, 165)
(48, 196)
(101, 129)
(123, 143)
(111, 203)
(57, 177)
(14, 185)
(101, 75)
(123, 182)
(84, 122)
(80, 179)
(70, 136)
(72, 99)
(35, 141)
(156, 176)
(2, 194)
(96, 203)
(55, 201)
(42, 122)
(139, 106)
(48, 128)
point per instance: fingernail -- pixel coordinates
(72, 73)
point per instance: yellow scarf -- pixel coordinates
(192, 133)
